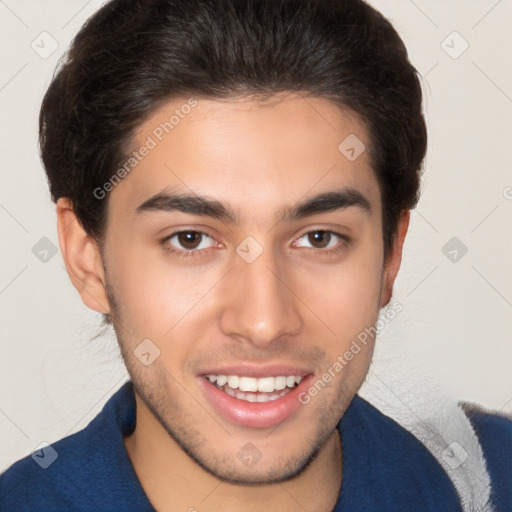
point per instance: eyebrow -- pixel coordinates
(201, 205)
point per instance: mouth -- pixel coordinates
(252, 389)
(255, 399)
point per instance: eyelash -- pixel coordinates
(344, 242)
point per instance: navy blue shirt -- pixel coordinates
(385, 468)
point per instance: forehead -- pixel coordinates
(253, 155)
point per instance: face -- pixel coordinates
(247, 248)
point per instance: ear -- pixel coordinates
(82, 258)
(394, 258)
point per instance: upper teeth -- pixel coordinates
(265, 384)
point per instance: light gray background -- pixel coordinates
(455, 330)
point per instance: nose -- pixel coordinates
(260, 304)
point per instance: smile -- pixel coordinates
(257, 400)
(250, 389)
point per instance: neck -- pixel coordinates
(174, 482)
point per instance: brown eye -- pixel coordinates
(322, 240)
(319, 239)
(189, 239)
(188, 242)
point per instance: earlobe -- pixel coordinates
(394, 259)
(82, 258)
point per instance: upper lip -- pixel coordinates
(257, 371)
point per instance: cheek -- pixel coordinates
(346, 296)
(348, 308)
(354, 283)
(155, 296)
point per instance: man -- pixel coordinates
(233, 182)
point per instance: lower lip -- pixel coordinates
(254, 414)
